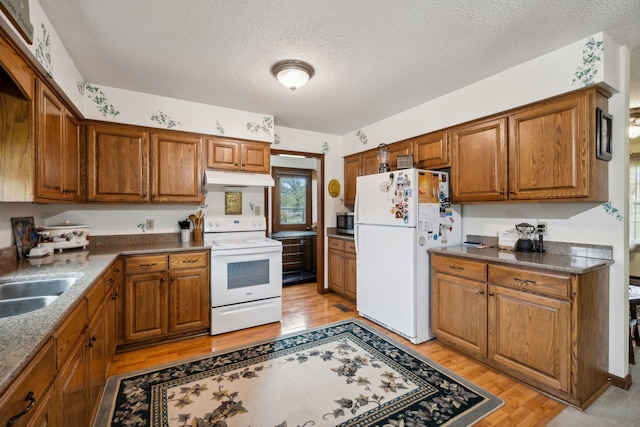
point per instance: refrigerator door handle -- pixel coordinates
(356, 213)
(356, 240)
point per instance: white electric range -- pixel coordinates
(246, 273)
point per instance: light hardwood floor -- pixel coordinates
(304, 308)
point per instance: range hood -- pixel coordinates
(237, 179)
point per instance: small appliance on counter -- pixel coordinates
(525, 241)
(65, 236)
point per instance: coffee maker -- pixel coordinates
(525, 240)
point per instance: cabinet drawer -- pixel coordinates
(95, 297)
(146, 264)
(188, 260)
(350, 246)
(112, 276)
(69, 332)
(337, 244)
(35, 378)
(468, 269)
(542, 283)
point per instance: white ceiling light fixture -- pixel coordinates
(292, 74)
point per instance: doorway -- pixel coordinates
(306, 264)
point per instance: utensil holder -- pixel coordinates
(197, 234)
(185, 235)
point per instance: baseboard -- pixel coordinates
(623, 383)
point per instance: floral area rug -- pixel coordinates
(342, 374)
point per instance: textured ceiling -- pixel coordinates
(372, 58)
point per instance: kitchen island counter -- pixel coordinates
(576, 263)
(23, 335)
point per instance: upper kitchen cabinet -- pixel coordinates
(351, 172)
(552, 150)
(366, 163)
(59, 151)
(431, 151)
(479, 161)
(541, 152)
(238, 155)
(132, 164)
(176, 168)
(17, 93)
(117, 163)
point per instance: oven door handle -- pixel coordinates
(245, 251)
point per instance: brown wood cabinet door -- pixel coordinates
(59, 152)
(351, 172)
(117, 164)
(336, 271)
(176, 166)
(529, 336)
(74, 163)
(479, 161)
(548, 156)
(97, 358)
(145, 303)
(189, 300)
(50, 145)
(223, 154)
(45, 414)
(397, 149)
(350, 288)
(72, 398)
(369, 162)
(431, 151)
(459, 313)
(255, 157)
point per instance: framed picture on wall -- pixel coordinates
(603, 135)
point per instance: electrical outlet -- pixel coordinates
(149, 224)
(541, 228)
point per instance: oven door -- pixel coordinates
(245, 274)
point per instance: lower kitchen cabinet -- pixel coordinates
(165, 296)
(34, 386)
(547, 329)
(342, 267)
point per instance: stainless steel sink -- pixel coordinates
(35, 288)
(13, 307)
(29, 295)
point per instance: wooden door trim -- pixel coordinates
(320, 223)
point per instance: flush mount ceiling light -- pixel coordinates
(292, 74)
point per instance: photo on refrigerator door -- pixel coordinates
(428, 187)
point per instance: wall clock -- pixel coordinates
(334, 188)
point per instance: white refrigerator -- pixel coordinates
(399, 215)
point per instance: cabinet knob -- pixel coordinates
(31, 400)
(490, 294)
(481, 292)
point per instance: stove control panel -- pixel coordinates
(231, 224)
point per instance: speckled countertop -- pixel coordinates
(565, 263)
(22, 336)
